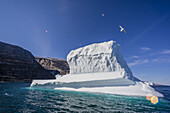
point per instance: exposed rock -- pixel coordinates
(98, 57)
(54, 65)
(18, 64)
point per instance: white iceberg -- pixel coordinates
(95, 58)
(99, 68)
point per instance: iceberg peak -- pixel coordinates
(98, 57)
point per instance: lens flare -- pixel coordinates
(153, 99)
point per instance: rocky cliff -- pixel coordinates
(54, 65)
(18, 64)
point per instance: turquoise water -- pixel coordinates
(18, 97)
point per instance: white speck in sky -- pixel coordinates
(102, 14)
(46, 31)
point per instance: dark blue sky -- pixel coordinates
(75, 23)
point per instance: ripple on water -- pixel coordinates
(46, 101)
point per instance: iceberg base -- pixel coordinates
(140, 89)
(133, 89)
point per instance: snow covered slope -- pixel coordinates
(98, 57)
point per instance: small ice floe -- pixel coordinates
(7, 94)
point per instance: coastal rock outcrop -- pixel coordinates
(18, 64)
(54, 65)
(98, 57)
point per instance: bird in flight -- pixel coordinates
(122, 29)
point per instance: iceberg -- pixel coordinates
(100, 68)
(95, 58)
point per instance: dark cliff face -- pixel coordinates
(54, 65)
(18, 64)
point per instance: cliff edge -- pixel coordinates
(18, 64)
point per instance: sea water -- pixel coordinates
(19, 98)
